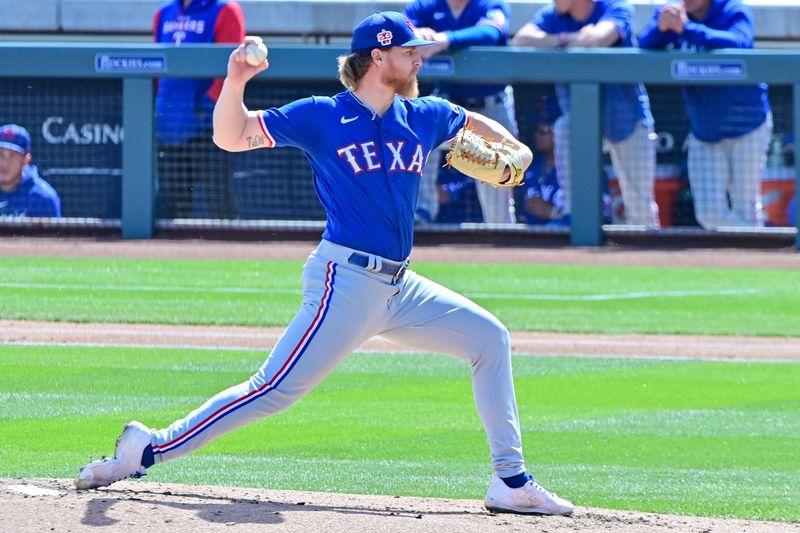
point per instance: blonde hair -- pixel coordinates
(352, 68)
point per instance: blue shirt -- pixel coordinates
(183, 105)
(625, 105)
(366, 168)
(541, 182)
(33, 197)
(482, 23)
(715, 112)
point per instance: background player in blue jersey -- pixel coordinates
(456, 24)
(367, 148)
(187, 157)
(22, 192)
(540, 199)
(731, 126)
(628, 125)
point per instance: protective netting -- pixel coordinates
(747, 180)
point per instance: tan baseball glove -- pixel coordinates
(485, 160)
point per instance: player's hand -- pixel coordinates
(425, 33)
(239, 70)
(672, 18)
(667, 17)
(664, 21)
(683, 17)
(442, 44)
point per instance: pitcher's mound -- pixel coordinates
(54, 505)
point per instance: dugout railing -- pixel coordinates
(584, 70)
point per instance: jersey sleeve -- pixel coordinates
(44, 201)
(650, 37)
(739, 33)
(229, 29)
(498, 15)
(157, 26)
(419, 13)
(491, 29)
(546, 19)
(293, 124)
(450, 118)
(621, 14)
(478, 35)
(52, 207)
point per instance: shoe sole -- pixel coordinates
(537, 512)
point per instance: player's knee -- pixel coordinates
(497, 340)
(493, 347)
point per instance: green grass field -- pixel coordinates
(685, 437)
(588, 299)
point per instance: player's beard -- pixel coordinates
(406, 86)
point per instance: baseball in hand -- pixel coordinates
(256, 54)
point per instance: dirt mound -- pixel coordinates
(54, 505)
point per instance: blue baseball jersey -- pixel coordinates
(33, 197)
(482, 23)
(715, 112)
(541, 182)
(624, 105)
(366, 168)
(185, 105)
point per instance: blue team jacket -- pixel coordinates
(482, 23)
(624, 105)
(33, 197)
(183, 107)
(716, 112)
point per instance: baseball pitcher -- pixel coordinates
(367, 147)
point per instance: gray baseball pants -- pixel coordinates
(343, 306)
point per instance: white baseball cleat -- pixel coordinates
(127, 460)
(531, 498)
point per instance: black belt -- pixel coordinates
(390, 268)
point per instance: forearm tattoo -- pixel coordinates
(256, 141)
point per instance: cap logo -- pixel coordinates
(8, 133)
(385, 37)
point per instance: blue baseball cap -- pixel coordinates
(384, 30)
(15, 138)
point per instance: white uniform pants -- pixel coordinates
(725, 178)
(343, 306)
(634, 162)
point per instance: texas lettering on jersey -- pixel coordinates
(365, 157)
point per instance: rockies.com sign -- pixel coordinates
(125, 63)
(708, 70)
